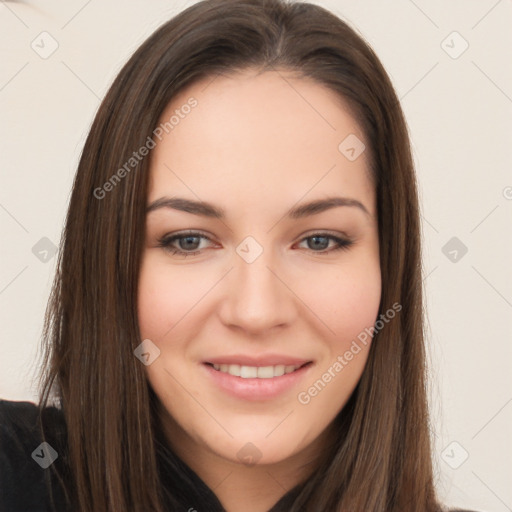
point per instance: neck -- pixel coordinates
(239, 486)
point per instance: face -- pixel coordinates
(248, 286)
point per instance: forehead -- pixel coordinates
(258, 135)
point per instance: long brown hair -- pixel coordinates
(382, 458)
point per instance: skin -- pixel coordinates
(257, 146)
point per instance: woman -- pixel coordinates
(278, 363)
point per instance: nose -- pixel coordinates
(257, 296)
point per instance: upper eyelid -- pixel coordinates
(318, 232)
(172, 237)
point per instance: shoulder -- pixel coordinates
(26, 458)
(20, 426)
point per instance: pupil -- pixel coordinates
(187, 239)
(316, 245)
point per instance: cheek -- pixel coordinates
(350, 309)
(166, 295)
(358, 303)
(164, 298)
(345, 299)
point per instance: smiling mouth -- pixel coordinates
(257, 372)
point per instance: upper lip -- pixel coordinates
(263, 360)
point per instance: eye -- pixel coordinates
(321, 241)
(188, 243)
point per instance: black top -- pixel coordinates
(25, 461)
(25, 466)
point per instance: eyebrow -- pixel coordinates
(206, 209)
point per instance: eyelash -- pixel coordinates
(166, 241)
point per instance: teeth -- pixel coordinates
(255, 372)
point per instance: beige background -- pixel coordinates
(459, 113)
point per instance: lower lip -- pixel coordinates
(256, 389)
